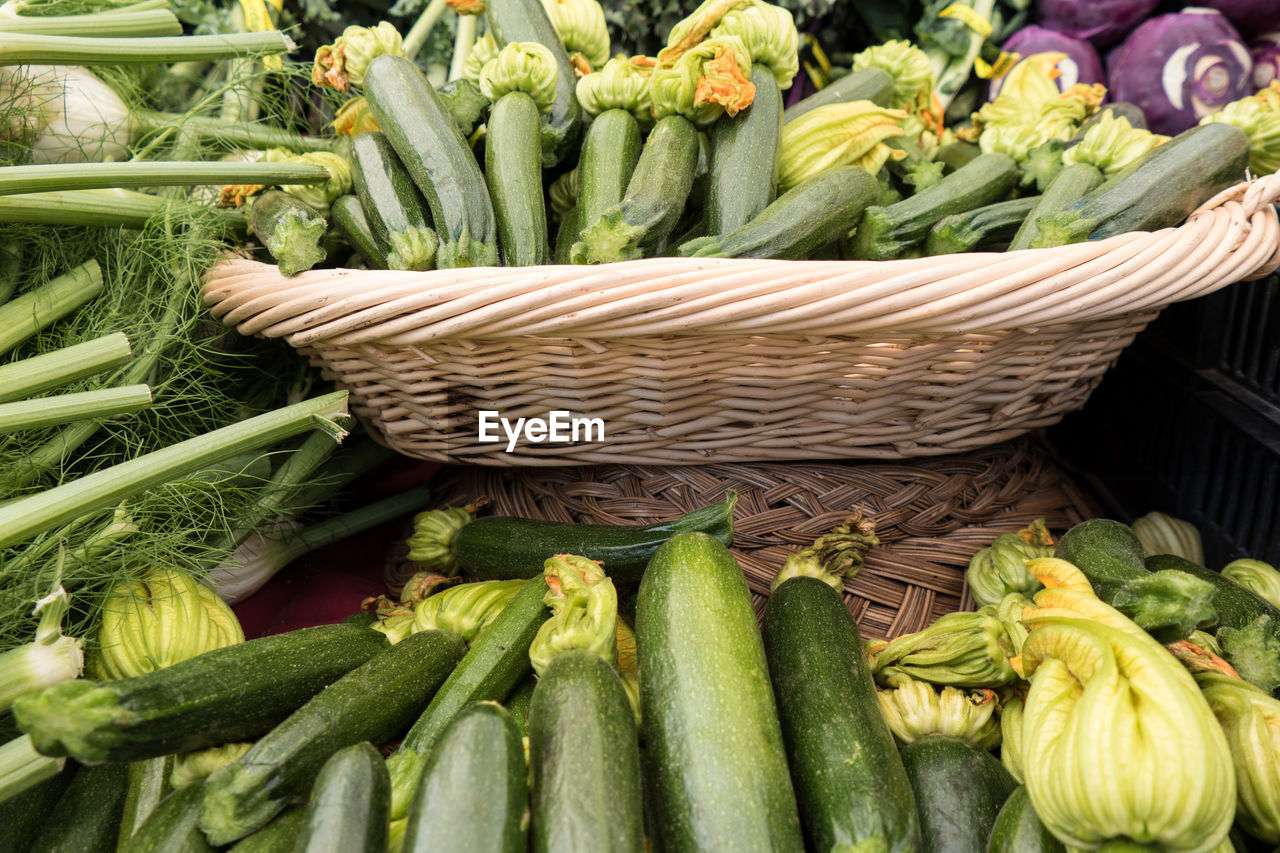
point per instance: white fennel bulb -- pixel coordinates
(74, 116)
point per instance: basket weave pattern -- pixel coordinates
(931, 515)
(696, 361)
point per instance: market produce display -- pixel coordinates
(543, 684)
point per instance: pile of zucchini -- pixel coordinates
(539, 164)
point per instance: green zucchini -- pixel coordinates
(867, 84)
(514, 174)
(23, 815)
(372, 702)
(655, 198)
(435, 154)
(290, 229)
(148, 785)
(347, 812)
(392, 205)
(991, 226)
(527, 21)
(566, 237)
(1018, 828)
(496, 663)
(584, 758)
(517, 704)
(850, 784)
(805, 218)
(1236, 606)
(86, 818)
(502, 547)
(958, 790)
(279, 836)
(349, 216)
(886, 232)
(956, 154)
(1160, 191)
(743, 164)
(230, 694)
(474, 791)
(610, 149)
(1071, 184)
(713, 742)
(173, 827)
(1107, 551)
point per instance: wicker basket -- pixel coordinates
(931, 515)
(696, 361)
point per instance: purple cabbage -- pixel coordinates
(1265, 51)
(1180, 67)
(1102, 23)
(1248, 16)
(1082, 64)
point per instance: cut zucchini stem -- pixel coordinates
(137, 173)
(833, 556)
(67, 408)
(41, 373)
(32, 49)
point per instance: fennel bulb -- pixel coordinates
(76, 118)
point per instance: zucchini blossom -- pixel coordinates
(1259, 117)
(1251, 721)
(1258, 577)
(521, 66)
(629, 666)
(581, 27)
(164, 619)
(1001, 568)
(563, 193)
(1011, 736)
(191, 767)
(833, 556)
(354, 116)
(319, 196)
(1117, 742)
(622, 84)
(914, 709)
(705, 82)
(485, 48)
(959, 649)
(431, 544)
(835, 136)
(1030, 110)
(769, 33)
(342, 64)
(1112, 144)
(584, 612)
(466, 609)
(1163, 534)
(913, 87)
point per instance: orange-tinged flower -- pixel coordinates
(723, 83)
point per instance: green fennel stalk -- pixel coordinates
(136, 173)
(134, 23)
(67, 408)
(41, 373)
(28, 48)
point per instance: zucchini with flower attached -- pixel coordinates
(229, 694)
(392, 206)
(526, 21)
(1251, 721)
(802, 220)
(520, 81)
(850, 785)
(989, 227)
(453, 540)
(617, 98)
(427, 140)
(349, 216)
(584, 756)
(372, 702)
(1000, 568)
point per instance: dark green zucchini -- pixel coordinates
(279, 836)
(427, 140)
(850, 784)
(349, 216)
(584, 758)
(1160, 191)
(230, 694)
(148, 785)
(86, 818)
(713, 743)
(498, 547)
(887, 232)
(959, 790)
(290, 229)
(474, 792)
(806, 217)
(1236, 606)
(986, 227)
(742, 174)
(23, 815)
(1107, 551)
(527, 21)
(372, 702)
(1071, 184)
(610, 149)
(957, 154)
(1018, 828)
(566, 237)
(518, 704)
(655, 197)
(173, 827)
(392, 205)
(514, 174)
(348, 809)
(867, 84)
